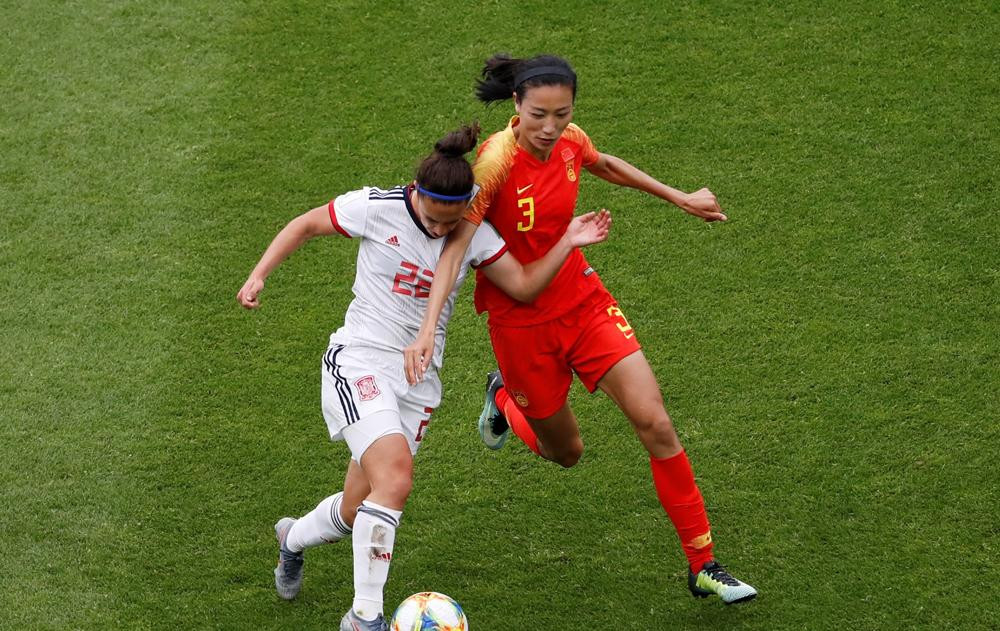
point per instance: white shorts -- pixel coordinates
(364, 392)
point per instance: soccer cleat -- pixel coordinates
(288, 574)
(493, 428)
(351, 622)
(714, 579)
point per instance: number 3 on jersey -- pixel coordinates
(408, 283)
(529, 214)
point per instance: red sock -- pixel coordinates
(515, 418)
(680, 497)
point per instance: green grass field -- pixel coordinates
(830, 355)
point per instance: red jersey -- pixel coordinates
(531, 203)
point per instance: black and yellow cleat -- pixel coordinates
(714, 579)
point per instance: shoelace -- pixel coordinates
(291, 557)
(720, 574)
(287, 556)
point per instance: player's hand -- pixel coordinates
(589, 228)
(703, 203)
(417, 357)
(249, 294)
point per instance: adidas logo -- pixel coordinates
(393, 240)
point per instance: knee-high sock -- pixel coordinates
(322, 524)
(680, 497)
(374, 535)
(515, 418)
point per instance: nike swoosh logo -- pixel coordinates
(524, 188)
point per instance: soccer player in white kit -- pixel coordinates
(366, 399)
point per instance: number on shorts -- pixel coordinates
(623, 326)
(423, 425)
(420, 430)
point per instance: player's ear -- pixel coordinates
(517, 104)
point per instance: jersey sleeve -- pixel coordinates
(487, 246)
(587, 149)
(490, 169)
(349, 213)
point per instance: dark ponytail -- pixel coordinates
(501, 74)
(446, 172)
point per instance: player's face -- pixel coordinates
(545, 112)
(439, 218)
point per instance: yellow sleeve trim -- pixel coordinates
(491, 168)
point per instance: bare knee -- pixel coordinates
(399, 487)
(392, 485)
(657, 434)
(567, 455)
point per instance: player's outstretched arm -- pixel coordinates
(524, 283)
(417, 356)
(701, 203)
(299, 230)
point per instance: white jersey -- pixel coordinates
(396, 262)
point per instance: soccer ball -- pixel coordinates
(429, 611)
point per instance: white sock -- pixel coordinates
(374, 534)
(322, 525)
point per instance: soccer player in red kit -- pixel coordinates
(366, 402)
(529, 176)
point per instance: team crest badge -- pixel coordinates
(366, 388)
(521, 399)
(570, 172)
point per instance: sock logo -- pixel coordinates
(702, 540)
(380, 554)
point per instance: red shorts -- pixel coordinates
(538, 361)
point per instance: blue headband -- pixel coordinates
(531, 73)
(449, 198)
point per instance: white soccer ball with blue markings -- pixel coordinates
(429, 611)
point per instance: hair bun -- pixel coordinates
(446, 171)
(449, 151)
(459, 142)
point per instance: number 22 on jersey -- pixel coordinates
(412, 281)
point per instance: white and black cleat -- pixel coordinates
(493, 427)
